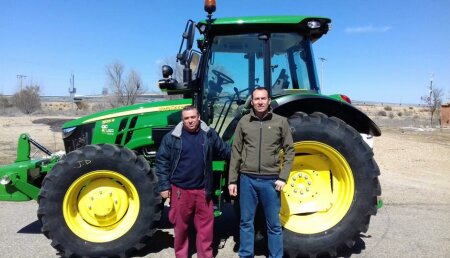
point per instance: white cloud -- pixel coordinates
(366, 29)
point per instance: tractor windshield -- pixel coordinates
(292, 65)
(236, 66)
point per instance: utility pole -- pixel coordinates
(72, 89)
(322, 60)
(428, 99)
(20, 77)
(431, 87)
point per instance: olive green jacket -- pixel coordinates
(257, 144)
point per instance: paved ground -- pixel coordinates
(414, 222)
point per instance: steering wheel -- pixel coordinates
(222, 77)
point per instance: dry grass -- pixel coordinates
(398, 115)
(377, 112)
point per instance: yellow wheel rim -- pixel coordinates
(101, 206)
(319, 191)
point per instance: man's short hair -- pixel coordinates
(261, 88)
(190, 107)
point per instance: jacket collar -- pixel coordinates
(179, 128)
(253, 116)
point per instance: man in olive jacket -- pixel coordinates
(255, 155)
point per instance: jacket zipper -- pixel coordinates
(204, 156)
(260, 139)
(177, 160)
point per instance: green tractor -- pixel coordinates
(99, 198)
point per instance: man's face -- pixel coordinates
(260, 101)
(191, 120)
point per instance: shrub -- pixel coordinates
(27, 100)
(391, 115)
(382, 113)
(399, 114)
(388, 108)
(100, 107)
(82, 105)
(408, 113)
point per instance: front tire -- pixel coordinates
(332, 188)
(99, 201)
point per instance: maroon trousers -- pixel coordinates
(186, 205)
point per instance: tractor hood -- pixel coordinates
(136, 109)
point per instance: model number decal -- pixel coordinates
(107, 130)
(175, 107)
(107, 121)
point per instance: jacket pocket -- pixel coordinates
(244, 159)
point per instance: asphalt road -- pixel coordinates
(413, 230)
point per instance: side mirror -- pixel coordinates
(183, 57)
(190, 36)
(194, 61)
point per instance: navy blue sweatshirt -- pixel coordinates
(190, 171)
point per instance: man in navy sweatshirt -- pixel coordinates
(184, 169)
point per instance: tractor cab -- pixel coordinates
(236, 55)
(234, 65)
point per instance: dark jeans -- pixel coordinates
(252, 191)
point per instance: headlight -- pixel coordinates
(5, 180)
(314, 24)
(66, 132)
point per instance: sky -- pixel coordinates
(377, 50)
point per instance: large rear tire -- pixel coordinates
(99, 201)
(332, 189)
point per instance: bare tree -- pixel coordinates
(133, 87)
(28, 99)
(433, 101)
(114, 73)
(125, 90)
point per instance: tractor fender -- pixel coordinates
(288, 105)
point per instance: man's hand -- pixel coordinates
(232, 188)
(165, 194)
(279, 184)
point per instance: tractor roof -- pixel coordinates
(300, 24)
